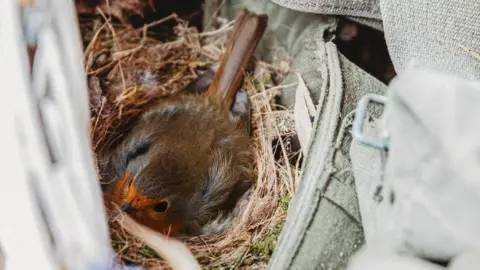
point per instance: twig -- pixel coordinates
(215, 14)
(101, 69)
(92, 42)
(122, 75)
(227, 27)
(112, 30)
(297, 169)
(155, 23)
(284, 151)
(115, 40)
(206, 244)
(271, 89)
(99, 114)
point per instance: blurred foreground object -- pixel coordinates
(380, 257)
(52, 212)
(173, 251)
(421, 200)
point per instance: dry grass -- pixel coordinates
(128, 70)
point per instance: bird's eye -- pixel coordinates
(139, 148)
(160, 207)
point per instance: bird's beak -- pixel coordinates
(126, 208)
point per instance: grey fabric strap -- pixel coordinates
(358, 8)
(368, 165)
(324, 225)
(326, 199)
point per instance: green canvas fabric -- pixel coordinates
(324, 225)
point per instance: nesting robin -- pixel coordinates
(188, 159)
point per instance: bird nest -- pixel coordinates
(128, 69)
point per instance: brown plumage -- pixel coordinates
(189, 158)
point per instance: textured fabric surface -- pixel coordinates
(374, 23)
(432, 33)
(437, 34)
(359, 8)
(332, 230)
(368, 164)
(323, 227)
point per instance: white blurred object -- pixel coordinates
(50, 202)
(466, 261)
(380, 257)
(433, 166)
(429, 185)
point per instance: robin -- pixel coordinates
(189, 158)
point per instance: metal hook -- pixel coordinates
(359, 121)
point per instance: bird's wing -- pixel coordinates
(247, 33)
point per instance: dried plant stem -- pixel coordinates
(227, 27)
(92, 42)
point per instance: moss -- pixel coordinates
(267, 80)
(204, 64)
(148, 252)
(263, 249)
(285, 202)
(117, 242)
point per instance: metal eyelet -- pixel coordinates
(359, 121)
